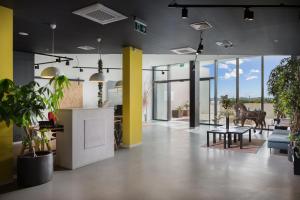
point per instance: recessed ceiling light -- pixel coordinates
(200, 26)
(185, 50)
(276, 41)
(86, 48)
(225, 43)
(23, 33)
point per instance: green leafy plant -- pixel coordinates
(24, 105)
(284, 85)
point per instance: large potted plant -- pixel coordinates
(284, 85)
(24, 106)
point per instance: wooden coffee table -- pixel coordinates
(227, 133)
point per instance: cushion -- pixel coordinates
(279, 138)
(280, 132)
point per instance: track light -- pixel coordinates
(162, 72)
(58, 60)
(81, 70)
(67, 63)
(248, 15)
(36, 66)
(184, 13)
(107, 70)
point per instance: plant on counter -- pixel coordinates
(284, 85)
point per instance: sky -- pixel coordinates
(250, 76)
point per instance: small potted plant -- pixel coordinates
(24, 106)
(177, 113)
(186, 107)
(226, 105)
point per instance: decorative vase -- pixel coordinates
(227, 122)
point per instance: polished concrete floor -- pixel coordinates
(171, 164)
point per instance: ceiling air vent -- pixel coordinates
(100, 14)
(201, 26)
(182, 51)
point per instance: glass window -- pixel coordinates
(226, 82)
(250, 82)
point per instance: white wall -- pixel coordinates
(112, 60)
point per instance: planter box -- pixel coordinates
(186, 113)
(177, 113)
(34, 171)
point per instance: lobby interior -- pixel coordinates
(144, 99)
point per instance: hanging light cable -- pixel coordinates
(200, 47)
(52, 71)
(98, 77)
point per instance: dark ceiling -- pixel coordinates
(166, 29)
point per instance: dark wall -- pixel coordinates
(23, 73)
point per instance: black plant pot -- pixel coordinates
(296, 163)
(227, 123)
(35, 170)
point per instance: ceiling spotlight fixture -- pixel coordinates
(98, 77)
(225, 43)
(36, 67)
(184, 13)
(200, 47)
(51, 72)
(162, 72)
(107, 70)
(23, 33)
(67, 63)
(81, 70)
(248, 14)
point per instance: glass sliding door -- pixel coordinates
(161, 93)
(161, 101)
(204, 100)
(206, 93)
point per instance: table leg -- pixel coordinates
(207, 135)
(234, 139)
(249, 135)
(214, 138)
(241, 141)
(220, 138)
(224, 140)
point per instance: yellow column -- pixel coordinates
(132, 96)
(6, 71)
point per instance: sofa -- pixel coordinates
(279, 139)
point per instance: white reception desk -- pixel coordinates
(88, 136)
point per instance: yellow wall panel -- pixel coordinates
(132, 96)
(6, 71)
